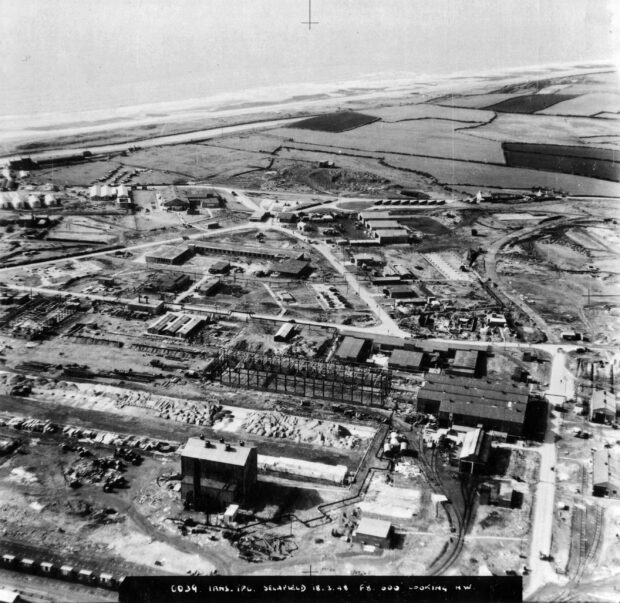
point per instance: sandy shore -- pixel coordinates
(21, 133)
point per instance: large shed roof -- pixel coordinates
(216, 452)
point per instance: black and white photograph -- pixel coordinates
(309, 300)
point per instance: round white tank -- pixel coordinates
(19, 204)
(50, 200)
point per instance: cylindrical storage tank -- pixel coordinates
(34, 202)
(50, 200)
(387, 448)
(403, 446)
(19, 204)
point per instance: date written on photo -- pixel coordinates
(358, 588)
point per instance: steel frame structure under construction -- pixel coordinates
(368, 386)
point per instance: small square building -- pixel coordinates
(374, 532)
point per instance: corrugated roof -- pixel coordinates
(216, 452)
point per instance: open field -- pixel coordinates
(335, 122)
(530, 103)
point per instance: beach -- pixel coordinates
(29, 134)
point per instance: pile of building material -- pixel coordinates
(202, 413)
(288, 467)
(28, 424)
(257, 548)
(308, 431)
(94, 470)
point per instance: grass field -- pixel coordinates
(582, 161)
(529, 103)
(335, 122)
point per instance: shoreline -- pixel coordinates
(139, 123)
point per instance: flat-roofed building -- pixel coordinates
(465, 363)
(406, 360)
(167, 282)
(215, 475)
(220, 267)
(353, 349)
(206, 248)
(383, 225)
(365, 216)
(168, 254)
(373, 532)
(497, 406)
(392, 236)
(400, 292)
(603, 407)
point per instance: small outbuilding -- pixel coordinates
(374, 532)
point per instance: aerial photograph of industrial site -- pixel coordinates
(326, 290)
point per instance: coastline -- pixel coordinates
(32, 134)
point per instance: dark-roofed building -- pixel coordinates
(215, 475)
(291, 268)
(406, 360)
(465, 363)
(167, 282)
(287, 217)
(602, 406)
(353, 349)
(169, 254)
(206, 248)
(220, 267)
(173, 198)
(473, 402)
(401, 292)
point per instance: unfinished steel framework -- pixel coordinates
(307, 378)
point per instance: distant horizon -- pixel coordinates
(80, 55)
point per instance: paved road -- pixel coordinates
(542, 524)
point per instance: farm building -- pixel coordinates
(603, 406)
(220, 267)
(285, 332)
(291, 268)
(391, 236)
(169, 254)
(287, 217)
(474, 452)
(260, 215)
(465, 363)
(215, 475)
(475, 402)
(172, 198)
(373, 532)
(352, 349)
(406, 360)
(605, 476)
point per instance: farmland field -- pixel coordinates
(335, 122)
(529, 103)
(587, 104)
(582, 161)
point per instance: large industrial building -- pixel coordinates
(352, 349)
(168, 254)
(406, 360)
(216, 474)
(475, 402)
(603, 407)
(465, 363)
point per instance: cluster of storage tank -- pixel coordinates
(62, 572)
(15, 200)
(395, 444)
